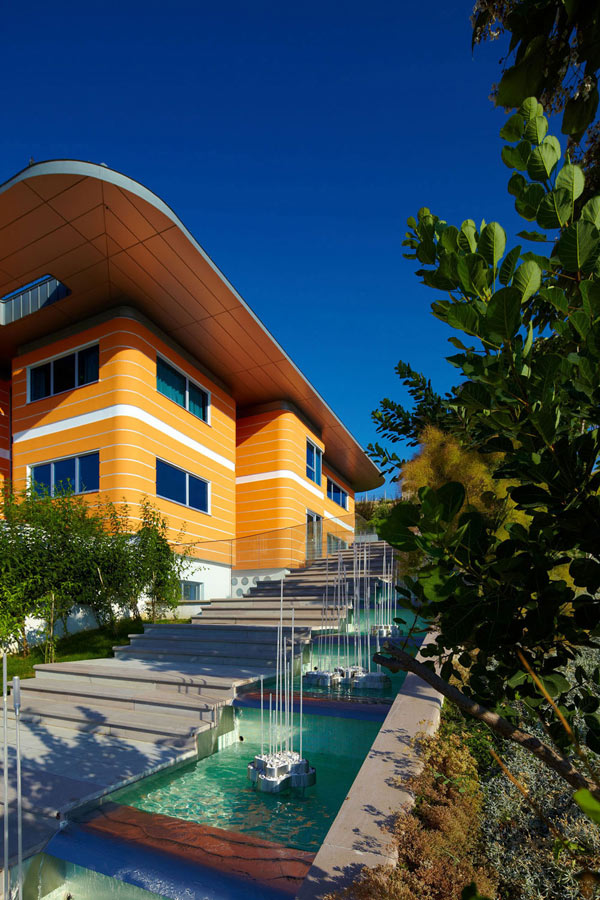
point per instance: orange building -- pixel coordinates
(133, 368)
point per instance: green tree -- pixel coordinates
(158, 570)
(529, 364)
(554, 52)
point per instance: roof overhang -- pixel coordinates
(109, 240)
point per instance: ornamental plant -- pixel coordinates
(513, 593)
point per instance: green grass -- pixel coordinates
(94, 644)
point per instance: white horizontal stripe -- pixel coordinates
(280, 473)
(342, 524)
(5, 454)
(122, 409)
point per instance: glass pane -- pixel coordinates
(310, 461)
(40, 478)
(64, 374)
(318, 466)
(191, 591)
(89, 472)
(170, 382)
(170, 482)
(87, 365)
(64, 475)
(198, 494)
(39, 382)
(198, 401)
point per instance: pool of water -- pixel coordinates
(49, 878)
(215, 791)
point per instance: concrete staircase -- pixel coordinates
(169, 685)
(310, 591)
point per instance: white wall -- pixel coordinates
(243, 579)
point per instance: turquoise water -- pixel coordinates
(215, 791)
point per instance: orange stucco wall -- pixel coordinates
(4, 430)
(127, 420)
(273, 493)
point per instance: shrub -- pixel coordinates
(438, 843)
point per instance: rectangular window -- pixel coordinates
(181, 390)
(313, 462)
(64, 373)
(181, 487)
(192, 591)
(337, 494)
(77, 474)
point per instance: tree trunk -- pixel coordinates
(560, 764)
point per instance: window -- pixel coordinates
(313, 462)
(192, 591)
(77, 474)
(337, 494)
(177, 387)
(181, 487)
(64, 373)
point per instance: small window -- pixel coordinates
(313, 462)
(337, 494)
(192, 591)
(181, 487)
(77, 475)
(181, 390)
(64, 373)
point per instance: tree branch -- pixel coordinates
(560, 764)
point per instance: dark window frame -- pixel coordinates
(76, 372)
(64, 459)
(331, 486)
(186, 404)
(188, 475)
(317, 467)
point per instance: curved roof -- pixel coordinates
(110, 239)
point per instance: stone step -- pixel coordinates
(101, 719)
(213, 650)
(192, 655)
(252, 600)
(120, 698)
(231, 633)
(251, 619)
(181, 677)
(268, 610)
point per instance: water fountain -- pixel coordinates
(354, 668)
(281, 766)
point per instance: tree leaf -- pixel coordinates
(591, 212)
(536, 130)
(572, 179)
(463, 317)
(516, 157)
(530, 109)
(527, 280)
(555, 209)
(467, 237)
(527, 204)
(590, 295)
(588, 804)
(578, 247)
(543, 159)
(508, 264)
(532, 236)
(492, 243)
(452, 496)
(516, 184)
(513, 129)
(503, 316)
(527, 76)
(579, 112)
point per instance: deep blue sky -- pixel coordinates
(293, 140)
